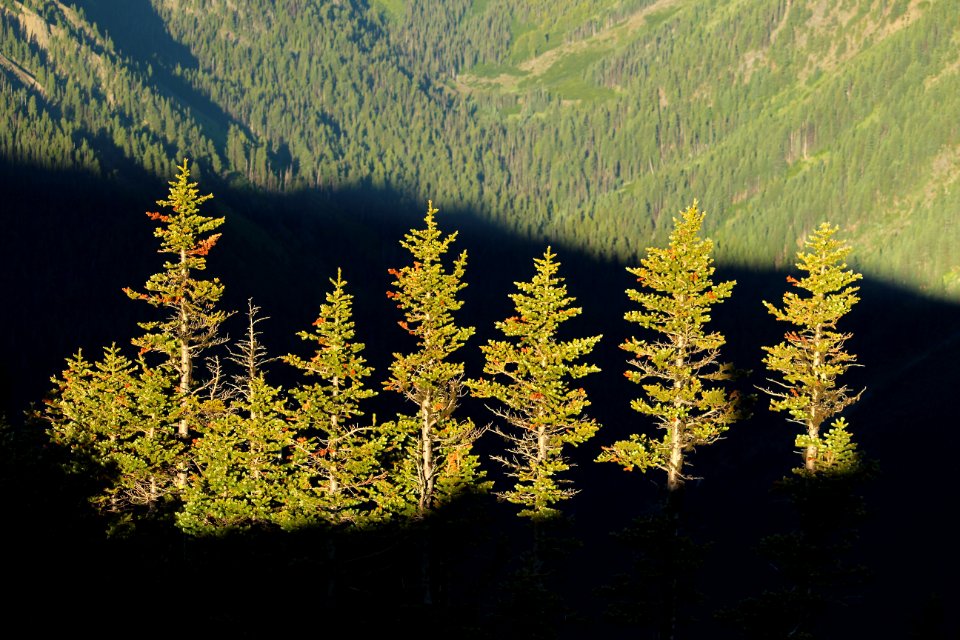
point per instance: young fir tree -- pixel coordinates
(532, 372)
(812, 357)
(338, 461)
(677, 369)
(815, 574)
(434, 460)
(112, 418)
(193, 320)
(438, 460)
(541, 419)
(241, 479)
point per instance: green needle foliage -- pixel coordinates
(337, 461)
(240, 479)
(812, 357)
(438, 460)
(240, 476)
(193, 319)
(111, 417)
(531, 373)
(678, 366)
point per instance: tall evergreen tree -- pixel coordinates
(541, 418)
(337, 458)
(816, 571)
(531, 373)
(338, 461)
(438, 460)
(812, 356)
(677, 368)
(435, 447)
(193, 320)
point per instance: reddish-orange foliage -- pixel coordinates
(154, 215)
(139, 296)
(454, 461)
(204, 247)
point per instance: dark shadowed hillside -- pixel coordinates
(279, 249)
(587, 124)
(323, 128)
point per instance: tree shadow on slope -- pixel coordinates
(140, 34)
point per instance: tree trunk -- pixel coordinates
(674, 478)
(186, 376)
(813, 424)
(186, 363)
(426, 462)
(426, 499)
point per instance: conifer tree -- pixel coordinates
(193, 319)
(240, 478)
(677, 371)
(434, 459)
(338, 461)
(812, 356)
(86, 405)
(531, 373)
(677, 368)
(111, 416)
(814, 572)
(438, 460)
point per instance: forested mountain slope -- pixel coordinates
(323, 127)
(587, 123)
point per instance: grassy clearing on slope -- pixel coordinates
(548, 56)
(391, 9)
(567, 77)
